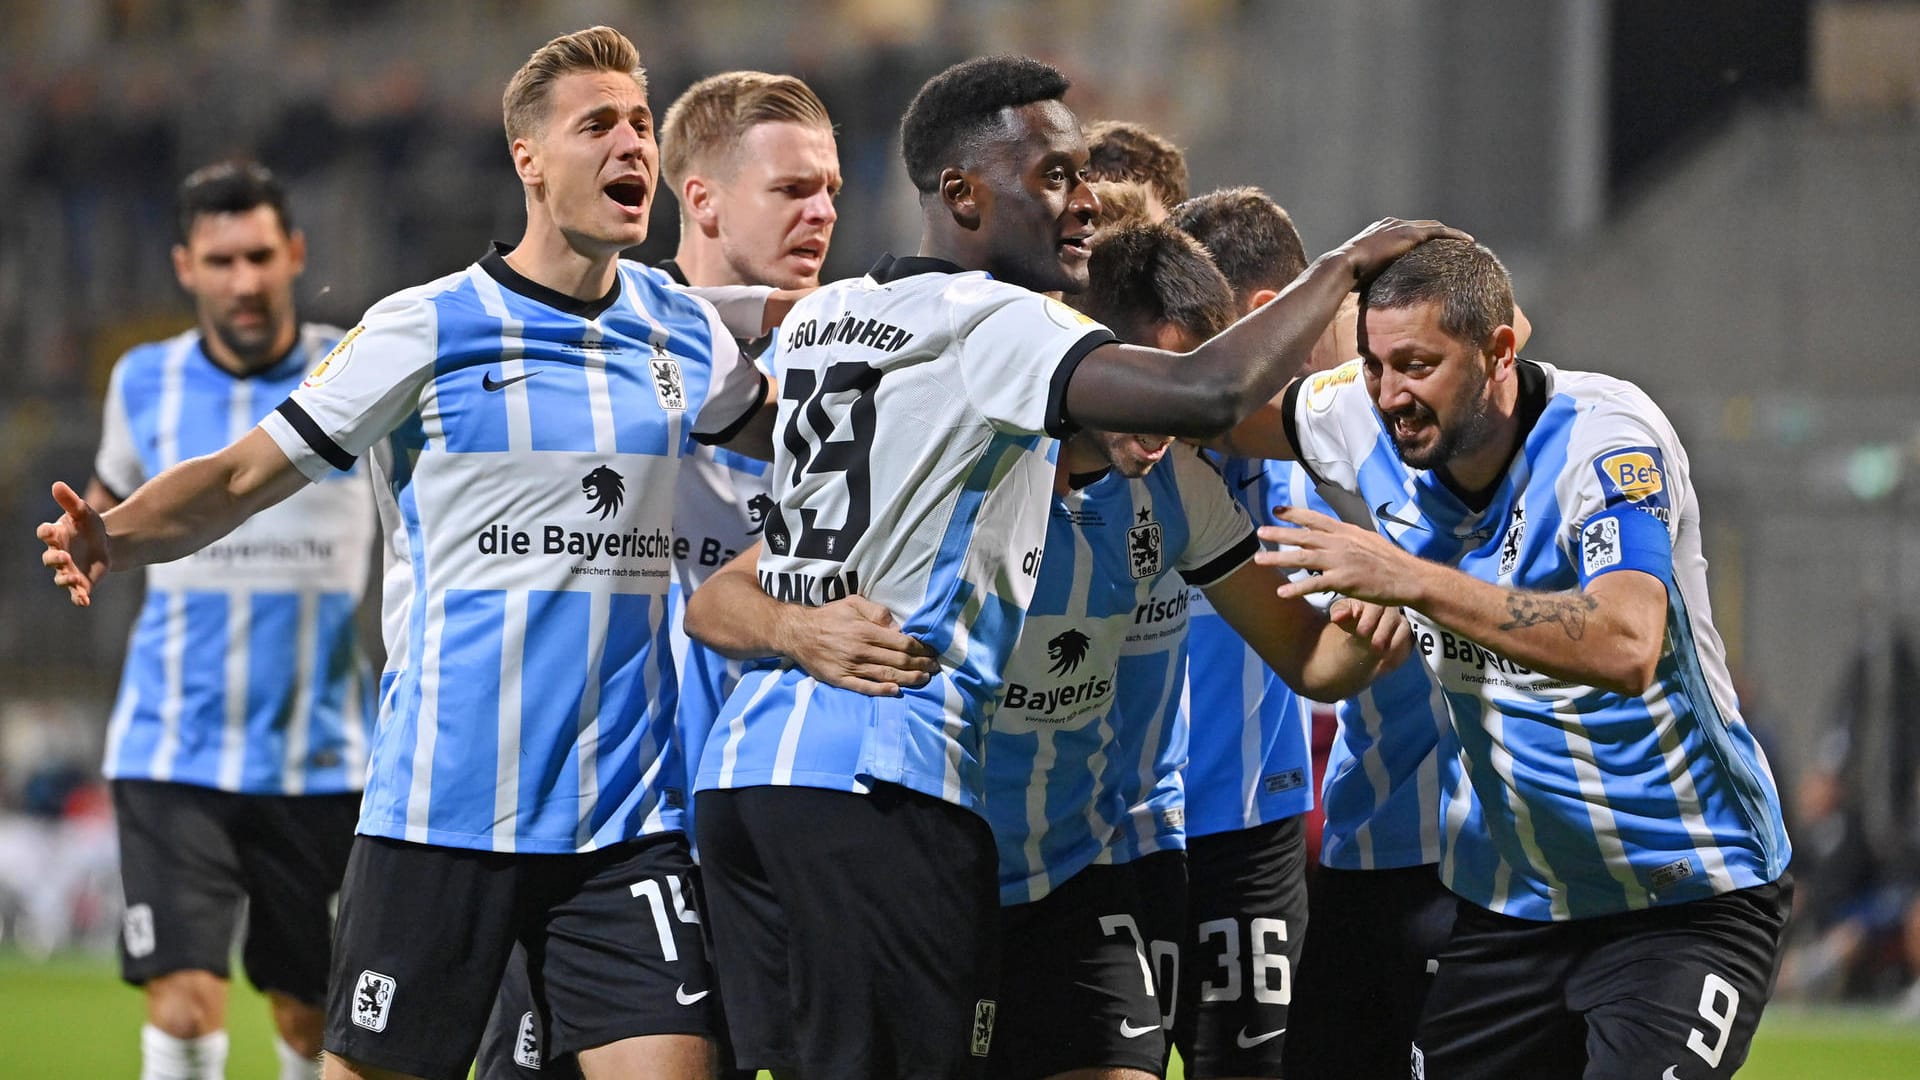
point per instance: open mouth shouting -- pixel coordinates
(631, 195)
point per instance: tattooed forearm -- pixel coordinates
(1567, 609)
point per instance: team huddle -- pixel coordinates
(907, 676)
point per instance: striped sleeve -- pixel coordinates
(362, 390)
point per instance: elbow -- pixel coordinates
(1634, 668)
(1219, 404)
(699, 621)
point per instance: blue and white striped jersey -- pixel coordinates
(1381, 793)
(913, 466)
(1594, 802)
(244, 672)
(719, 509)
(1250, 760)
(526, 447)
(1154, 732)
(1064, 760)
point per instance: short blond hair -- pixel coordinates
(599, 48)
(704, 126)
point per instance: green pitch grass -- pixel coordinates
(71, 1019)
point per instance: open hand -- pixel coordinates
(1389, 238)
(1351, 561)
(76, 546)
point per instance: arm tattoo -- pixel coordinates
(1567, 609)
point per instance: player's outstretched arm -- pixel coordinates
(1607, 635)
(1210, 390)
(849, 643)
(173, 515)
(1324, 659)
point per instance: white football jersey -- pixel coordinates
(913, 466)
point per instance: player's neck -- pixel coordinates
(546, 257)
(939, 244)
(234, 364)
(1078, 458)
(703, 264)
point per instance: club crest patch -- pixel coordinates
(526, 1045)
(983, 1011)
(668, 385)
(137, 927)
(372, 998)
(1600, 545)
(1510, 543)
(1143, 547)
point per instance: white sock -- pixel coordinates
(163, 1057)
(293, 1064)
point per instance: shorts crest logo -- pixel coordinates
(138, 930)
(983, 1011)
(667, 383)
(526, 1046)
(1143, 546)
(1066, 650)
(372, 997)
(605, 489)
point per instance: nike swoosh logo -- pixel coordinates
(1247, 1042)
(1672, 1073)
(680, 995)
(1128, 1031)
(487, 381)
(1384, 514)
(1251, 480)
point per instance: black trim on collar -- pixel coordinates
(890, 269)
(1079, 480)
(266, 371)
(494, 263)
(673, 271)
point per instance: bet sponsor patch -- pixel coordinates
(1636, 475)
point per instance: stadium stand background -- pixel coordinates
(1714, 199)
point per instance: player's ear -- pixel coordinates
(183, 266)
(961, 196)
(297, 251)
(526, 162)
(696, 198)
(1501, 351)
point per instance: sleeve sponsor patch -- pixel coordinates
(1600, 545)
(1634, 474)
(1322, 388)
(1065, 317)
(335, 361)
